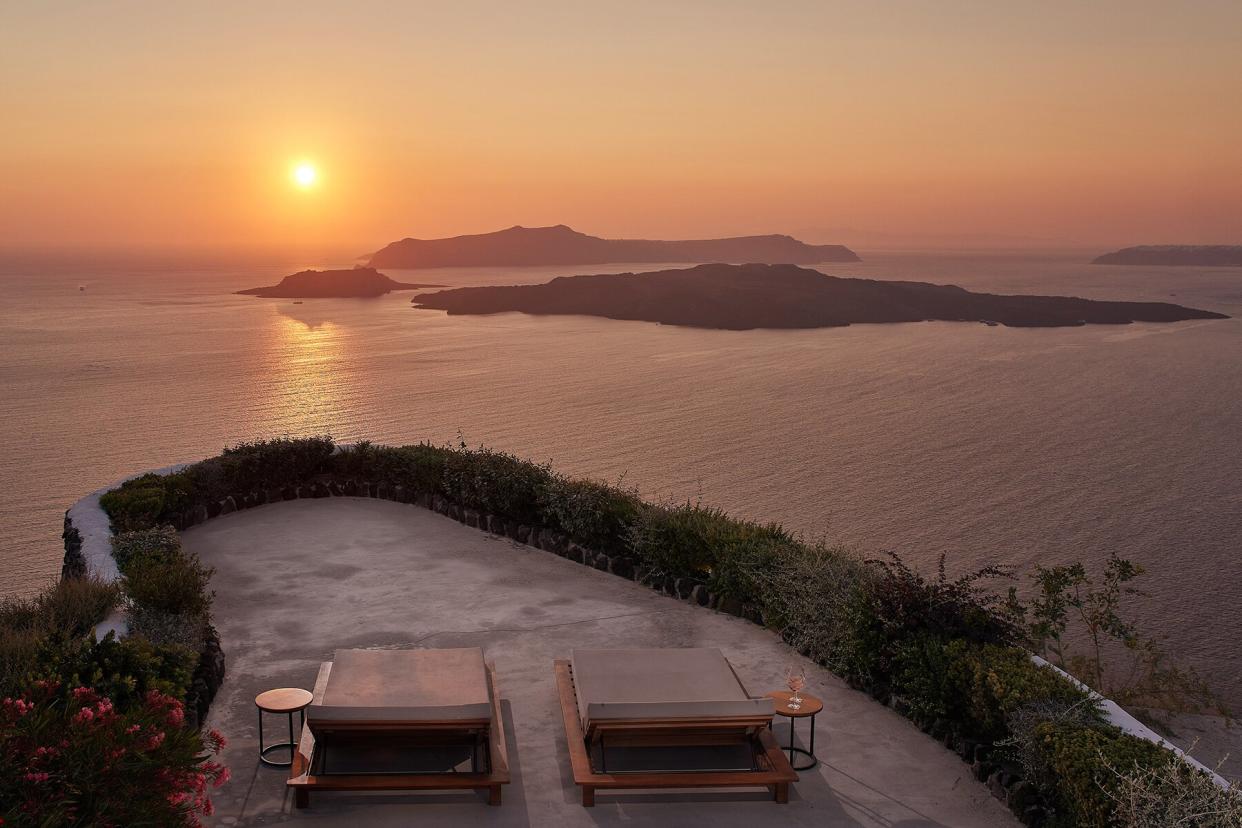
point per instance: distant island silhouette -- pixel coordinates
(561, 245)
(1176, 255)
(358, 282)
(742, 297)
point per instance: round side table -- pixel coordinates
(286, 700)
(809, 708)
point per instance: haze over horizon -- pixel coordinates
(908, 123)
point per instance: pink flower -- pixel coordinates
(132, 729)
(36, 777)
(154, 742)
(84, 715)
(216, 739)
(20, 705)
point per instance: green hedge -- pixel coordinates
(1079, 765)
(947, 652)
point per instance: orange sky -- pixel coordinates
(862, 122)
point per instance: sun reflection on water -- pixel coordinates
(307, 359)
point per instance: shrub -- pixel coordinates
(160, 543)
(263, 464)
(996, 681)
(19, 657)
(899, 603)
(147, 501)
(1080, 768)
(704, 543)
(492, 481)
(1113, 655)
(805, 593)
(677, 540)
(70, 607)
(419, 468)
(77, 759)
(592, 513)
(124, 669)
(1173, 793)
(137, 504)
(76, 605)
(208, 481)
(177, 584)
(166, 628)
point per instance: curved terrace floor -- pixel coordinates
(297, 580)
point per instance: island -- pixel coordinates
(561, 245)
(743, 297)
(1176, 255)
(358, 282)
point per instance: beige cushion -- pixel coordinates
(404, 686)
(692, 683)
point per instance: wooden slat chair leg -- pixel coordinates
(493, 795)
(781, 793)
(588, 797)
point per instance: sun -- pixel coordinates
(305, 175)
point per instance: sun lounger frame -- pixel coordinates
(772, 766)
(492, 730)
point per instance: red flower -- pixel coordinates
(216, 739)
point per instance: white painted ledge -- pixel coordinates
(92, 524)
(1117, 716)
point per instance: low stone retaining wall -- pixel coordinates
(82, 554)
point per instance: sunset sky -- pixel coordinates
(175, 124)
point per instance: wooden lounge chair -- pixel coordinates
(385, 720)
(670, 718)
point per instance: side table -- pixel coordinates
(286, 700)
(809, 708)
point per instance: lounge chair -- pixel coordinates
(402, 720)
(668, 718)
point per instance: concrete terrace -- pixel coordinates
(297, 580)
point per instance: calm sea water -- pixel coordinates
(989, 444)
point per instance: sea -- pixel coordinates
(983, 444)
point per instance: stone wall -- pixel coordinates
(999, 774)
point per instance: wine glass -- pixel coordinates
(795, 679)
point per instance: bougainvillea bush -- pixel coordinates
(70, 757)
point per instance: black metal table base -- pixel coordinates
(795, 750)
(290, 745)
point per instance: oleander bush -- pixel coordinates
(76, 757)
(123, 669)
